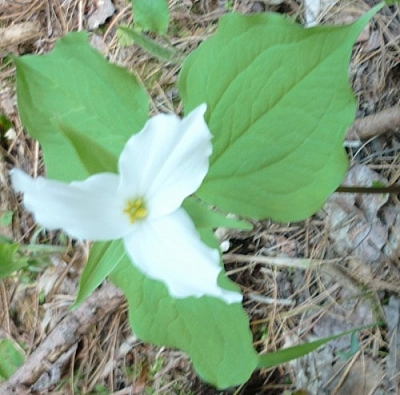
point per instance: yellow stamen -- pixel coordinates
(135, 210)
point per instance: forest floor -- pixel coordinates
(351, 246)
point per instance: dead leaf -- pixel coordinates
(314, 9)
(313, 370)
(18, 33)
(363, 377)
(392, 312)
(391, 217)
(355, 228)
(104, 10)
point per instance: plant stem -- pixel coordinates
(389, 189)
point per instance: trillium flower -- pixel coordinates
(158, 168)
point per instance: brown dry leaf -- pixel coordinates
(362, 376)
(8, 103)
(355, 227)
(348, 306)
(320, 373)
(374, 41)
(391, 217)
(315, 9)
(143, 379)
(18, 33)
(24, 311)
(313, 370)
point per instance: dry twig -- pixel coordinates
(375, 124)
(102, 302)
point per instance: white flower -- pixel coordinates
(158, 168)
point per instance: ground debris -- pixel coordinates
(355, 228)
(288, 305)
(392, 311)
(104, 9)
(18, 33)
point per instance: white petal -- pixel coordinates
(86, 209)
(169, 249)
(166, 161)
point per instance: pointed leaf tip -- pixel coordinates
(278, 113)
(75, 85)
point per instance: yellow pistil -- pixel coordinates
(135, 210)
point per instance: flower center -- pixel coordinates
(135, 210)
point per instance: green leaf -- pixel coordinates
(129, 35)
(103, 258)
(151, 15)
(354, 348)
(206, 217)
(279, 104)
(10, 259)
(5, 240)
(74, 85)
(97, 159)
(215, 335)
(5, 124)
(11, 358)
(6, 218)
(288, 354)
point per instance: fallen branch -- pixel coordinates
(375, 124)
(67, 333)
